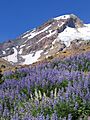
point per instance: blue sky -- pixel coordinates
(18, 16)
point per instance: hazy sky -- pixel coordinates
(18, 16)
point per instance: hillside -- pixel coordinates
(55, 36)
(45, 72)
(54, 90)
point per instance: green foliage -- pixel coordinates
(63, 109)
(1, 75)
(16, 75)
(49, 90)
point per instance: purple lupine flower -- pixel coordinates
(54, 116)
(47, 117)
(69, 117)
(76, 106)
(40, 117)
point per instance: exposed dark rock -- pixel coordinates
(42, 38)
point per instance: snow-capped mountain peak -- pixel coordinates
(50, 38)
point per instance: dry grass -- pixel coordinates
(61, 55)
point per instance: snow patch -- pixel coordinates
(21, 50)
(29, 59)
(46, 53)
(87, 25)
(13, 57)
(41, 39)
(17, 47)
(54, 41)
(27, 34)
(4, 52)
(7, 48)
(52, 47)
(33, 34)
(28, 47)
(70, 34)
(62, 17)
(51, 33)
(22, 45)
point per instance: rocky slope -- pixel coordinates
(62, 33)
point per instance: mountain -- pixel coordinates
(57, 35)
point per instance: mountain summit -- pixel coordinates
(56, 35)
